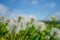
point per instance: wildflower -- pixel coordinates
(55, 32)
(18, 28)
(23, 19)
(10, 26)
(47, 37)
(14, 27)
(2, 19)
(40, 26)
(23, 26)
(22, 22)
(20, 18)
(31, 20)
(7, 20)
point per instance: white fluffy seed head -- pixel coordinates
(30, 20)
(55, 32)
(40, 26)
(47, 37)
(13, 26)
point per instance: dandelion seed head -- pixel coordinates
(11, 25)
(47, 37)
(30, 20)
(40, 26)
(55, 32)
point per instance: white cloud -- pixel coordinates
(57, 13)
(51, 5)
(3, 9)
(34, 2)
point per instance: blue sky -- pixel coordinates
(42, 9)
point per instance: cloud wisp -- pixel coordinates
(34, 2)
(51, 5)
(3, 9)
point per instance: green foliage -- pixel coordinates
(3, 29)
